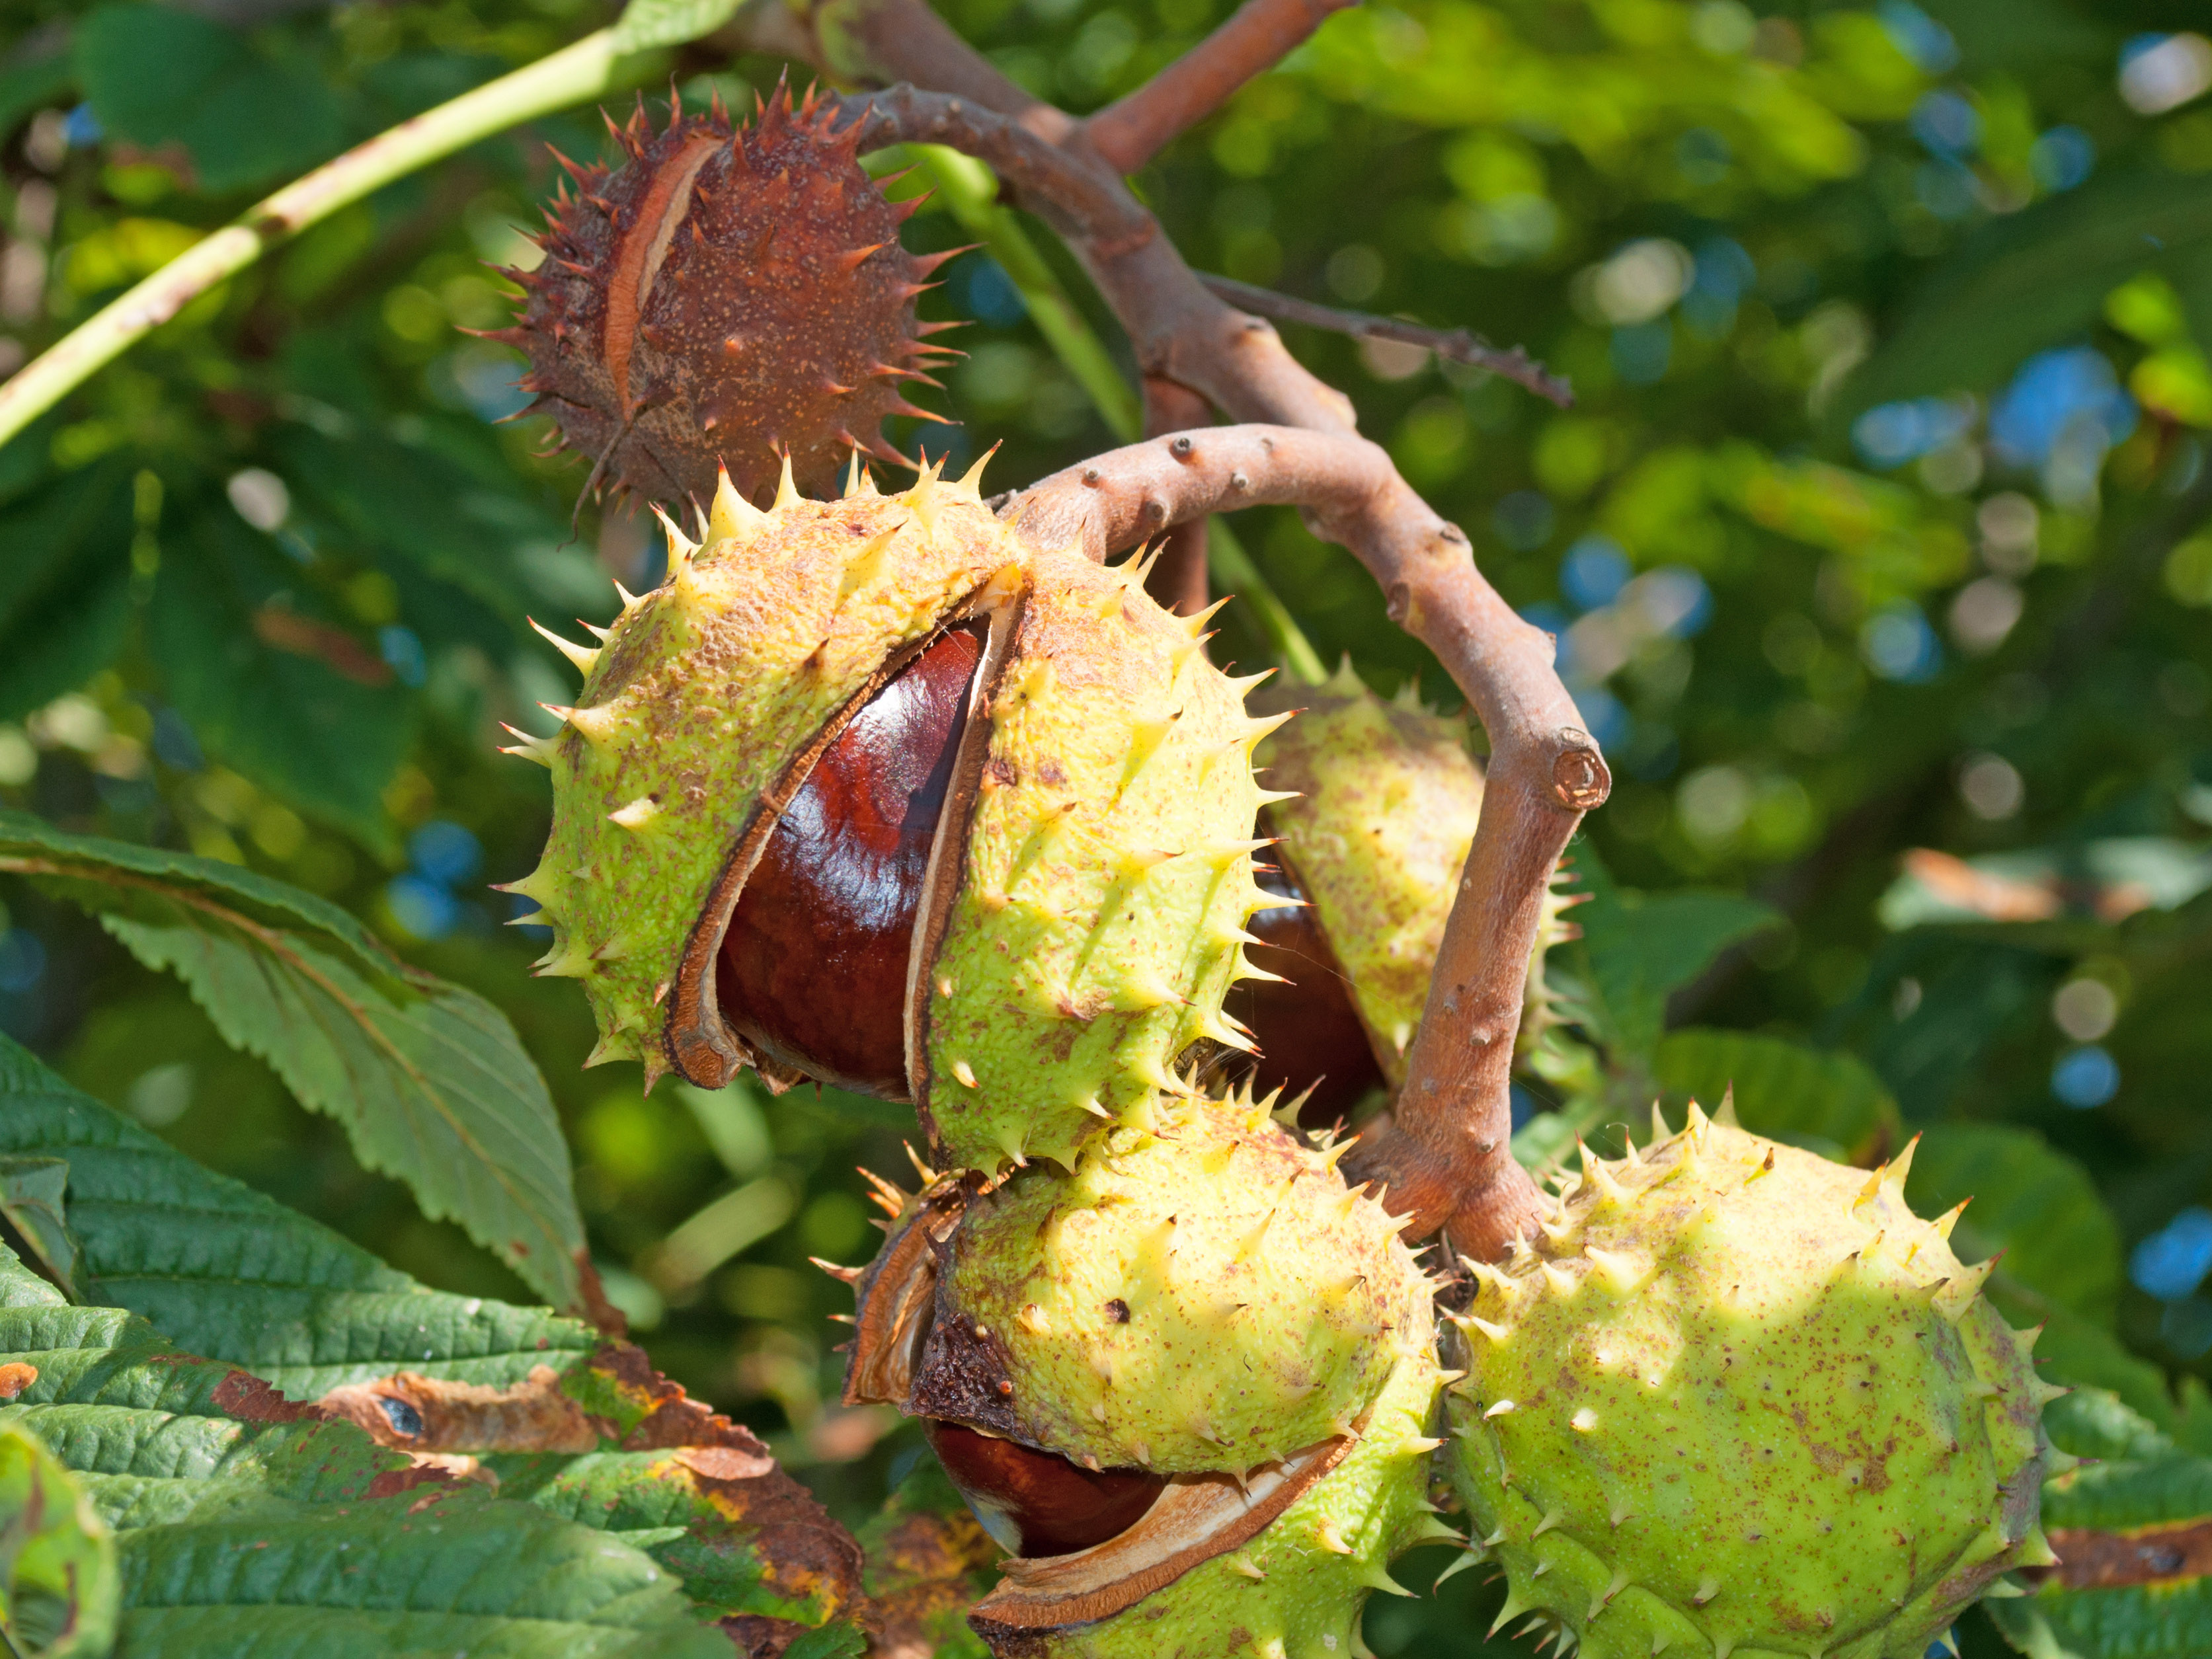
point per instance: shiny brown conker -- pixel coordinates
(1309, 1034)
(813, 971)
(1037, 1502)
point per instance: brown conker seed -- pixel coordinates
(1309, 1034)
(1037, 1503)
(813, 971)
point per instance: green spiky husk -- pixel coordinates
(1297, 1589)
(1387, 802)
(1755, 1406)
(1209, 1297)
(1108, 875)
(1102, 870)
(703, 692)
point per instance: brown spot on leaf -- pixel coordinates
(726, 1462)
(671, 1417)
(604, 1314)
(392, 1482)
(924, 1572)
(758, 1637)
(802, 1551)
(251, 1399)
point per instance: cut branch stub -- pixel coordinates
(1039, 881)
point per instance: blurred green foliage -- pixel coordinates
(1878, 524)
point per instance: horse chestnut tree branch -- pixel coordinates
(1445, 1159)
(1444, 1156)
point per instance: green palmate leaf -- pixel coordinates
(237, 1277)
(2033, 278)
(58, 1587)
(64, 591)
(2080, 1353)
(2037, 1206)
(429, 1080)
(249, 1524)
(648, 23)
(32, 1201)
(157, 74)
(1638, 948)
(552, 1411)
(287, 696)
(1828, 1102)
(436, 513)
(2133, 1533)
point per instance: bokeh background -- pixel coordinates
(1875, 541)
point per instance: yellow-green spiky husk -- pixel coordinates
(701, 695)
(1740, 1399)
(1103, 871)
(1206, 1297)
(1108, 876)
(1387, 799)
(1297, 1589)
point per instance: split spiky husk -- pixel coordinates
(1385, 803)
(1208, 1296)
(1208, 1301)
(724, 295)
(1093, 868)
(1740, 1399)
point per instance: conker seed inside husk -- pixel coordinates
(1083, 899)
(813, 968)
(1037, 1503)
(1188, 1382)
(1308, 1030)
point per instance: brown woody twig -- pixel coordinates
(1129, 132)
(1446, 1158)
(1179, 573)
(1444, 1154)
(1459, 345)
